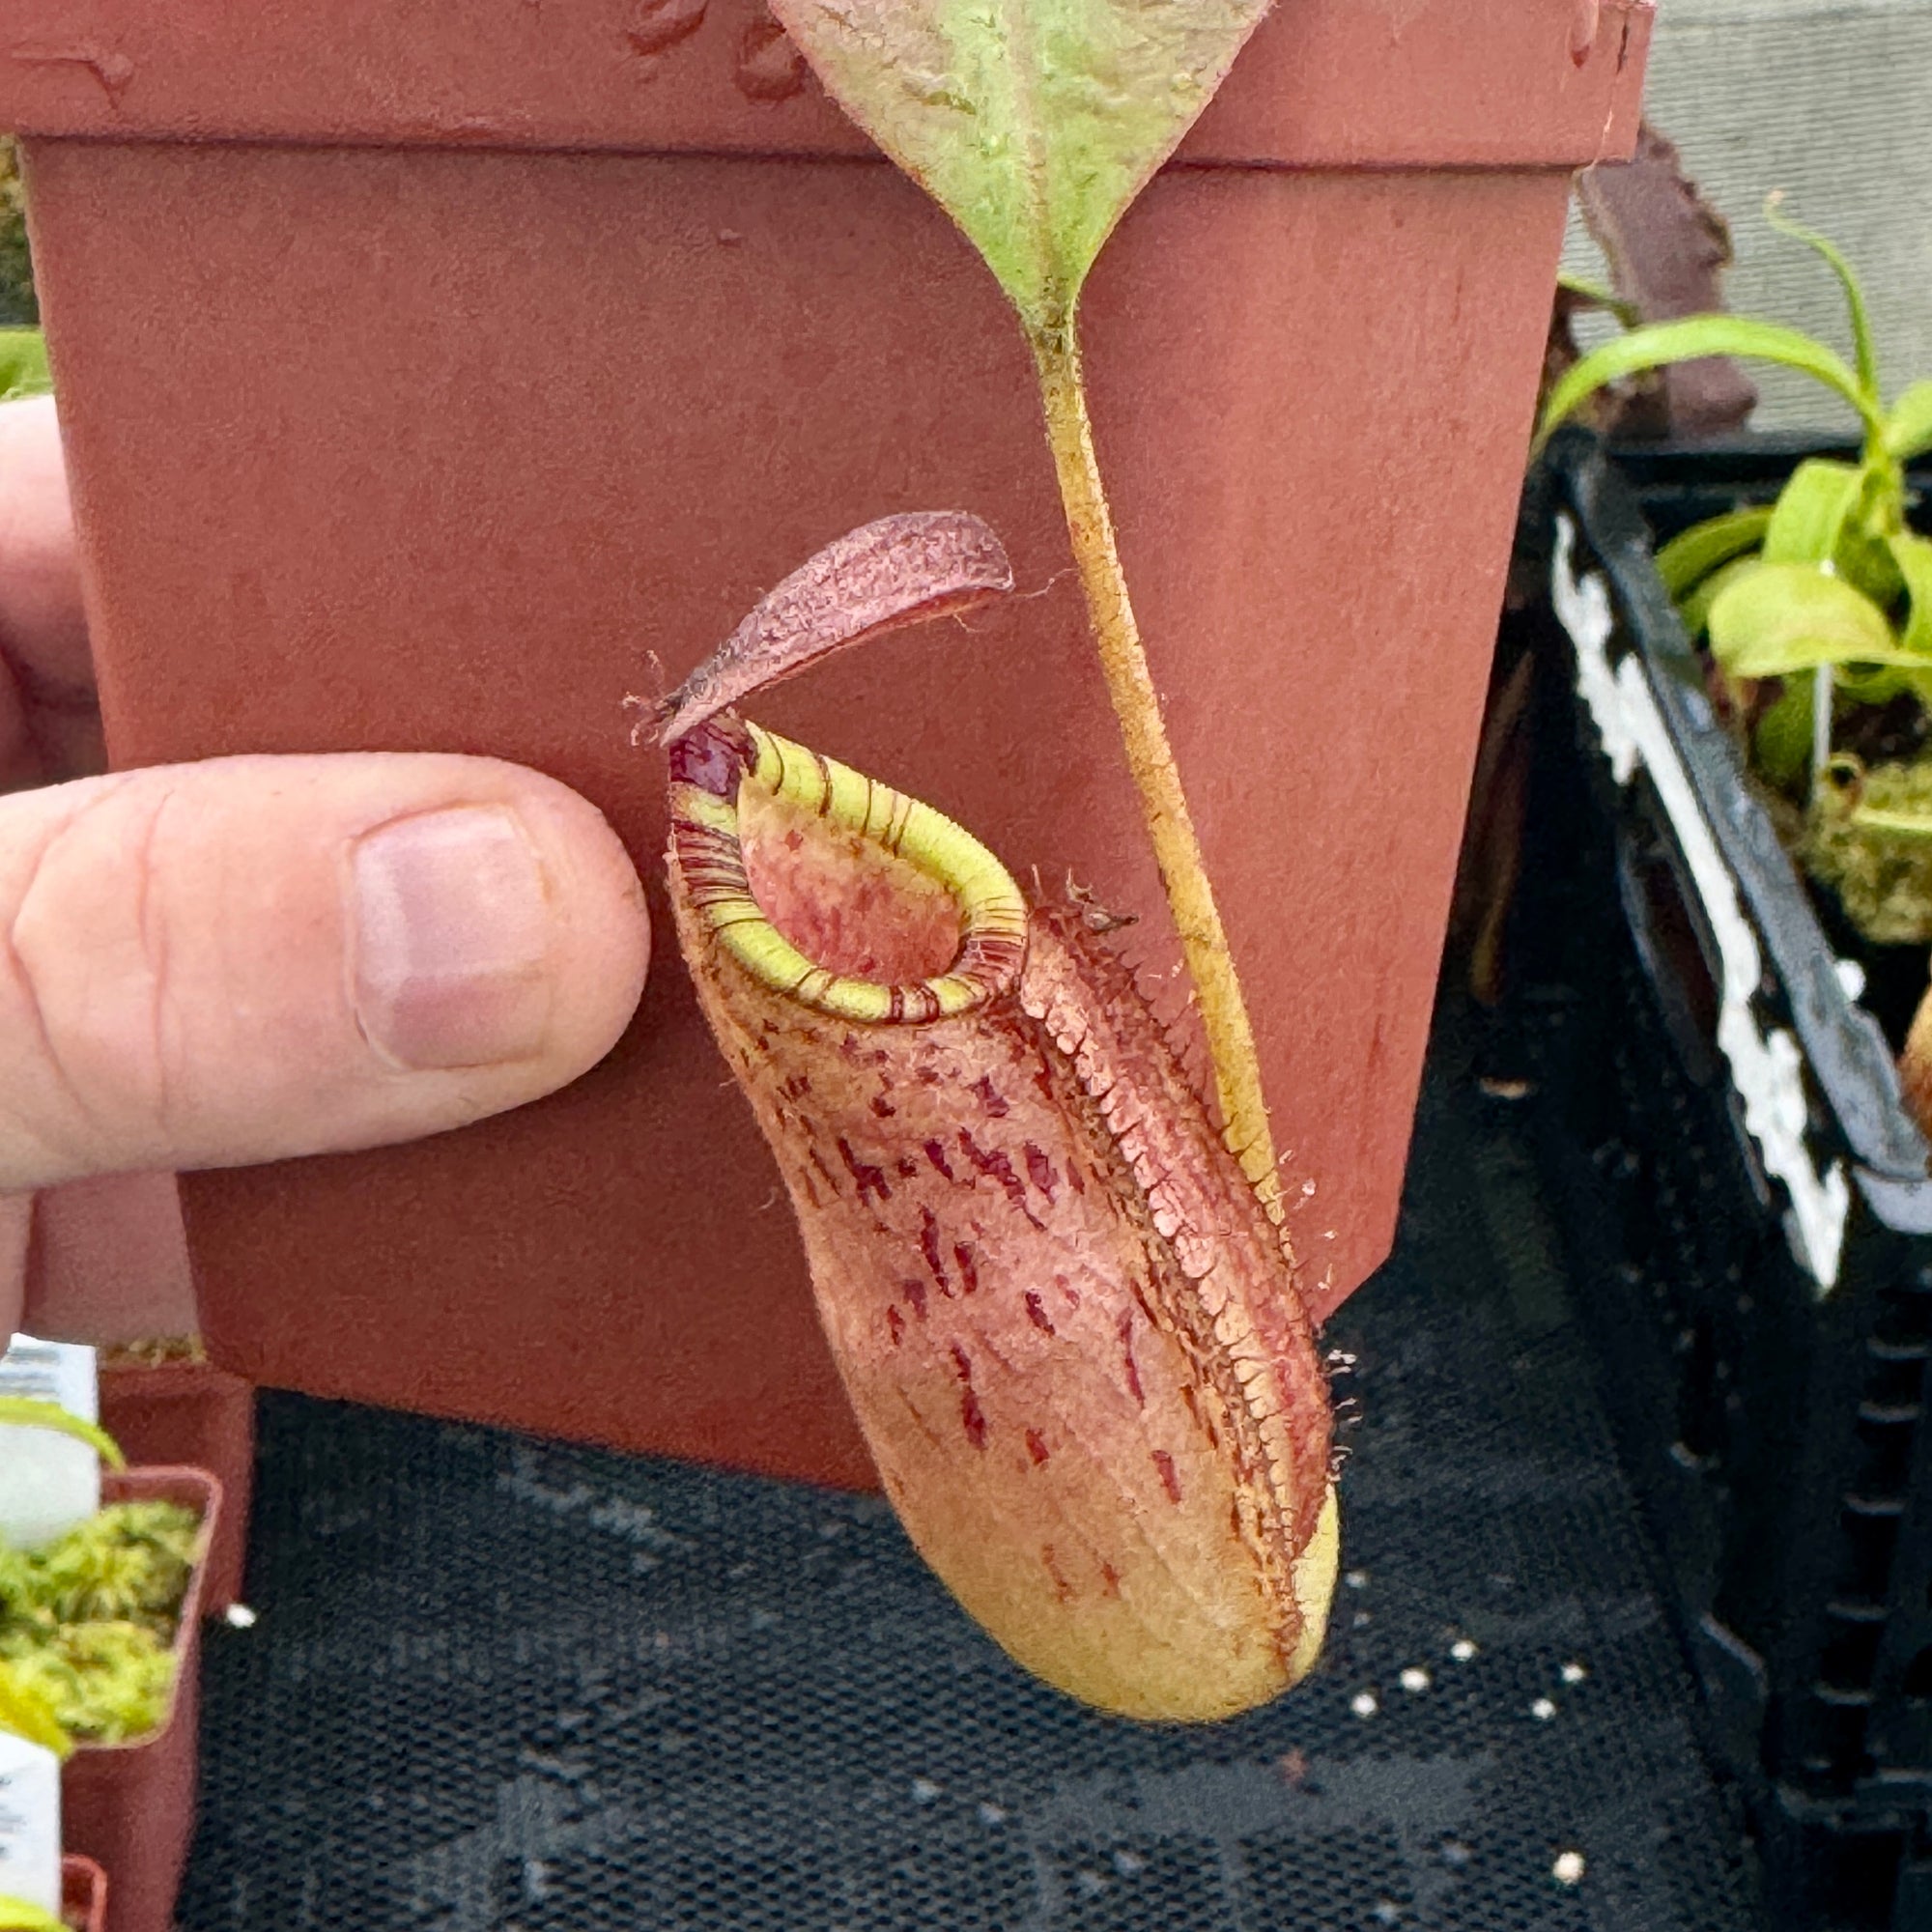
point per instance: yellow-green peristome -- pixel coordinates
(992, 913)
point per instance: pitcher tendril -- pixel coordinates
(1190, 892)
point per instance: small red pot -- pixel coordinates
(83, 1895)
(175, 1415)
(130, 1808)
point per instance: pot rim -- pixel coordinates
(1323, 84)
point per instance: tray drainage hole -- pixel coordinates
(1904, 1319)
(1918, 1681)
(1701, 1398)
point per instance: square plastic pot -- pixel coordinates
(425, 370)
(83, 1895)
(192, 1414)
(130, 1806)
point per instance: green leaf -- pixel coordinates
(1810, 517)
(1658, 343)
(1908, 429)
(23, 364)
(1695, 609)
(1597, 295)
(1686, 560)
(1033, 123)
(1786, 617)
(1869, 685)
(24, 1412)
(1894, 824)
(1913, 554)
(1866, 355)
(1836, 511)
(1781, 744)
(1867, 563)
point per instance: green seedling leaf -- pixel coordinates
(1598, 295)
(1787, 617)
(1781, 744)
(1659, 343)
(28, 1713)
(1874, 685)
(1695, 609)
(1866, 355)
(1809, 518)
(1867, 563)
(1913, 554)
(1908, 429)
(23, 364)
(1033, 123)
(1894, 824)
(23, 1413)
(1686, 560)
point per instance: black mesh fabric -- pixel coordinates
(505, 1686)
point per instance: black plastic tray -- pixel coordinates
(1756, 1273)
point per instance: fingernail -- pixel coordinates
(452, 931)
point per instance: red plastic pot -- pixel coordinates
(191, 1413)
(130, 1808)
(83, 1895)
(424, 370)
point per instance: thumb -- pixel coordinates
(212, 964)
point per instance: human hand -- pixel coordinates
(211, 964)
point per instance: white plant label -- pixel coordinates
(1766, 1067)
(48, 1482)
(30, 1824)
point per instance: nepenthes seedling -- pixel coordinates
(1066, 1322)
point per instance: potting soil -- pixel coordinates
(500, 1684)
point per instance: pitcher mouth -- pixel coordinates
(921, 868)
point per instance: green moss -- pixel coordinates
(104, 1682)
(130, 1561)
(88, 1622)
(1859, 841)
(18, 1587)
